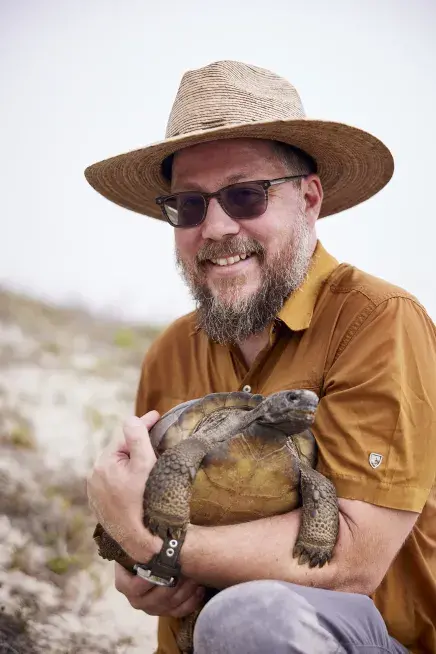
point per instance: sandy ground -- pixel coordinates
(67, 380)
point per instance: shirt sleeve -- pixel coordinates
(375, 426)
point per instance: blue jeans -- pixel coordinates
(275, 617)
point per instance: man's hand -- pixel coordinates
(117, 481)
(175, 602)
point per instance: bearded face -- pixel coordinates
(230, 308)
(240, 271)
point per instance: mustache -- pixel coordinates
(229, 248)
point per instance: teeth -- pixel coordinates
(229, 260)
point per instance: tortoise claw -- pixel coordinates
(303, 558)
(164, 527)
(318, 560)
(153, 526)
(315, 556)
(174, 532)
(298, 549)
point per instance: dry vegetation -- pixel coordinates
(67, 380)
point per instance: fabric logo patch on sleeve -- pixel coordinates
(375, 459)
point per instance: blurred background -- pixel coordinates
(85, 285)
(81, 81)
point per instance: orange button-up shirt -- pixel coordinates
(368, 349)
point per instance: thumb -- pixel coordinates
(150, 419)
(138, 445)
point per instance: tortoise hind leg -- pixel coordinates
(185, 635)
(319, 519)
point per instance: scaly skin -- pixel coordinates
(168, 489)
(319, 516)
(319, 519)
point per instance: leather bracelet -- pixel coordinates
(163, 569)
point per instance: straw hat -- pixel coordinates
(229, 99)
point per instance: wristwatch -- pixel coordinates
(163, 569)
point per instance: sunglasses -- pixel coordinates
(243, 200)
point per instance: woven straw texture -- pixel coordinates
(229, 99)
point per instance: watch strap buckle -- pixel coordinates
(163, 569)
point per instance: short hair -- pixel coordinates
(295, 159)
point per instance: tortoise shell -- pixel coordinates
(254, 475)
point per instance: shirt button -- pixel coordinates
(247, 389)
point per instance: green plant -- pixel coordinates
(125, 337)
(22, 437)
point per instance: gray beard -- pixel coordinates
(232, 320)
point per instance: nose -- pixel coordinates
(302, 395)
(218, 224)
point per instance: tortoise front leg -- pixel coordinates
(319, 519)
(168, 489)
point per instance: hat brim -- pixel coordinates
(353, 165)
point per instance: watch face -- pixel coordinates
(147, 574)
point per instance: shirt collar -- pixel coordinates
(298, 309)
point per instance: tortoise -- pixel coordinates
(233, 457)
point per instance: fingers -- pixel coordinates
(135, 433)
(150, 419)
(191, 604)
(129, 584)
(137, 442)
(176, 602)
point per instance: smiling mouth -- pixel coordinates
(230, 261)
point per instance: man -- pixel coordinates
(276, 311)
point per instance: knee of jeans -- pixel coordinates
(240, 607)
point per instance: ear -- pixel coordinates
(313, 196)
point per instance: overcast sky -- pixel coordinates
(84, 80)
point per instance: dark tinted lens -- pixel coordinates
(185, 209)
(244, 200)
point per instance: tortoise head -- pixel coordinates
(293, 411)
